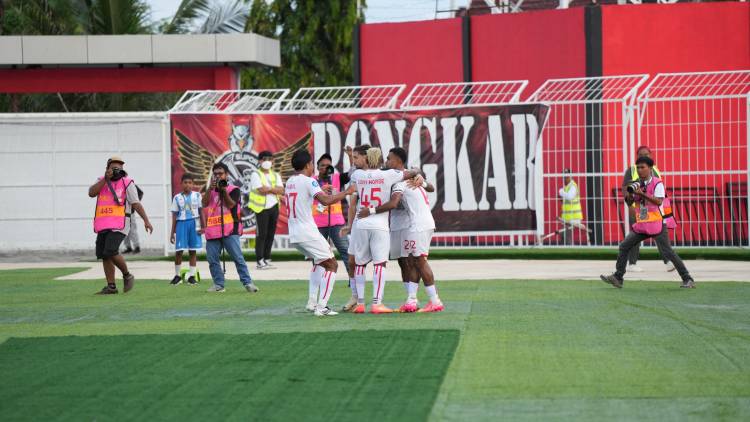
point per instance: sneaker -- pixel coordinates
(128, 282)
(217, 289)
(688, 284)
(311, 305)
(137, 250)
(261, 266)
(409, 306)
(191, 281)
(127, 250)
(350, 305)
(634, 268)
(176, 280)
(670, 267)
(107, 290)
(325, 312)
(251, 288)
(611, 279)
(380, 309)
(267, 263)
(433, 307)
(360, 309)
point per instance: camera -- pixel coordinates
(221, 184)
(326, 173)
(634, 187)
(118, 173)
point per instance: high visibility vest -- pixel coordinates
(257, 201)
(571, 209)
(109, 215)
(214, 217)
(322, 213)
(649, 217)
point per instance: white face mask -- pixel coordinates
(266, 165)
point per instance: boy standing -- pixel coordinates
(186, 230)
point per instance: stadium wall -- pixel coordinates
(50, 160)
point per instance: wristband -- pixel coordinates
(372, 211)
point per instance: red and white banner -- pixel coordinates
(484, 161)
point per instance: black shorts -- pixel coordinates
(108, 244)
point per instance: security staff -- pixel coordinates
(571, 207)
(266, 188)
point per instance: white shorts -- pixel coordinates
(416, 243)
(317, 249)
(397, 238)
(370, 246)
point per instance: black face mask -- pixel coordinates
(118, 173)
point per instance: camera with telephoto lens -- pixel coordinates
(118, 173)
(634, 187)
(325, 175)
(221, 183)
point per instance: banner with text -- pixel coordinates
(485, 162)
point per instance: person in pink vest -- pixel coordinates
(653, 217)
(116, 198)
(220, 218)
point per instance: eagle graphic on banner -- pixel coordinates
(241, 160)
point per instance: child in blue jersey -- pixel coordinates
(186, 230)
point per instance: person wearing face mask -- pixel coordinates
(266, 188)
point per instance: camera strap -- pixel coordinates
(114, 194)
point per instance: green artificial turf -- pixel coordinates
(200, 377)
(528, 350)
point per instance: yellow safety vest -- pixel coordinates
(257, 201)
(571, 209)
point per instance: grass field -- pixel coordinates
(502, 350)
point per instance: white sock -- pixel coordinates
(432, 293)
(353, 286)
(378, 284)
(192, 271)
(412, 289)
(359, 282)
(177, 269)
(315, 274)
(327, 280)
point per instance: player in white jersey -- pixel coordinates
(415, 241)
(358, 160)
(371, 239)
(299, 193)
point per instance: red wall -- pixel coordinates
(532, 45)
(687, 37)
(410, 53)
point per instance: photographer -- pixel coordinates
(631, 175)
(221, 220)
(265, 190)
(116, 197)
(330, 219)
(652, 216)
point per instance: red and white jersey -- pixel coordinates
(374, 190)
(399, 218)
(417, 204)
(299, 193)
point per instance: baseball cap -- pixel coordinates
(115, 159)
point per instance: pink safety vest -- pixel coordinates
(108, 215)
(650, 217)
(321, 212)
(213, 216)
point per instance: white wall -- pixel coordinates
(48, 161)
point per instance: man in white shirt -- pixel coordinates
(413, 241)
(265, 190)
(371, 240)
(300, 192)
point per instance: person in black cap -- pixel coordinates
(116, 197)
